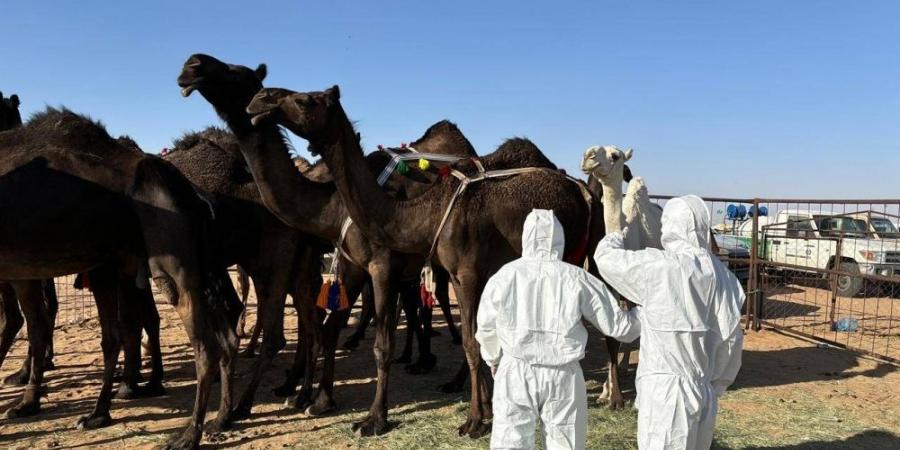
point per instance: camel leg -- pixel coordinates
(31, 300)
(468, 285)
(107, 295)
(150, 324)
(365, 318)
(11, 322)
(250, 350)
(612, 394)
(49, 289)
(353, 279)
(243, 287)
(137, 311)
(309, 333)
(442, 294)
(426, 360)
(21, 377)
(385, 325)
(228, 355)
(271, 292)
(413, 329)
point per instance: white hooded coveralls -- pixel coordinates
(529, 322)
(691, 336)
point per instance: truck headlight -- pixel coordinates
(872, 256)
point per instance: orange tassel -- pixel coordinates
(322, 299)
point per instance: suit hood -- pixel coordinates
(685, 224)
(542, 236)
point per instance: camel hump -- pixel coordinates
(515, 153)
(637, 187)
(446, 138)
(72, 129)
(214, 135)
(211, 158)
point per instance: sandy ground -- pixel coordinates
(800, 303)
(790, 394)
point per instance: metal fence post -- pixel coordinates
(754, 299)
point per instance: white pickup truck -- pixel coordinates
(806, 239)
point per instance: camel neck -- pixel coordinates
(612, 204)
(301, 203)
(405, 226)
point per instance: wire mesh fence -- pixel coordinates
(75, 305)
(826, 269)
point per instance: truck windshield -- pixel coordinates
(835, 226)
(885, 228)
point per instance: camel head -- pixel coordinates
(306, 114)
(9, 112)
(604, 161)
(228, 87)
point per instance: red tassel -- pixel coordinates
(444, 172)
(426, 297)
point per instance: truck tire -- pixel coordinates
(849, 285)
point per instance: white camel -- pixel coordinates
(606, 165)
(634, 209)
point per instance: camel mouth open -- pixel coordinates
(259, 117)
(188, 90)
(588, 166)
(189, 83)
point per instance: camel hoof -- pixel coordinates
(248, 353)
(48, 365)
(19, 378)
(218, 425)
(303, 399)
(126, 392)
(370, 426)
(320, 407)
(93, 421)
(616, 403)
(189, 440)
(242, 411)
(26, 410)
(474, 428)
(422, 366)
(152, 389)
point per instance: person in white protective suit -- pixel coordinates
(532, 337)
(691, 336)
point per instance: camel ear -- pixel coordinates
(334, 92)
(629, 153)
(261, 72)
(1, 95)
(626, 174)
(14, 100)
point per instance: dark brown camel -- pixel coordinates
(483, 230)
(11, 319)
(151, 215)
(146, 315)
(229, 88)
(279, 259)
